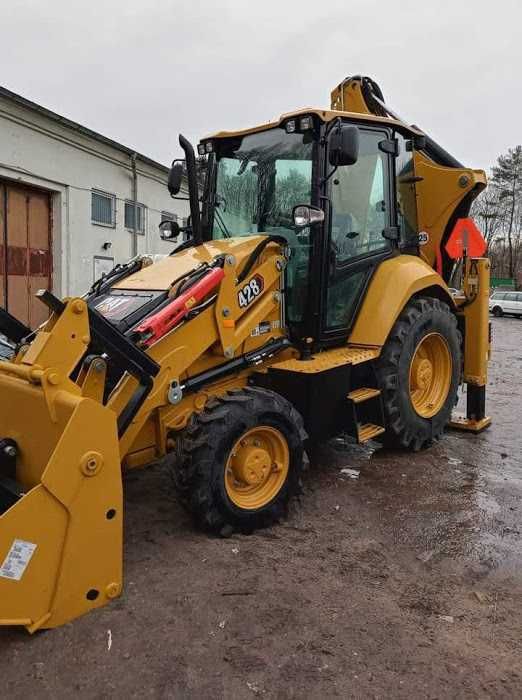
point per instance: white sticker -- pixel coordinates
(261, 329)
(17, 560)
(423, 238)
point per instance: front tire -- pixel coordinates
(239, 461)
(419, 372)
(497, 312)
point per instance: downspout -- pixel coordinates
(135, 204)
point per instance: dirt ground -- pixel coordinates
(403, 582)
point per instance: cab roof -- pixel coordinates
(326, 115)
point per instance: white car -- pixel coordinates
(501, 303)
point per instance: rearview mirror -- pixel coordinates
(343, 146)
(175, 177)
(169, 230)
(305, 214)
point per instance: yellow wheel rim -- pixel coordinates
(257, 468)
(430, 375)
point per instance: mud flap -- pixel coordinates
(61, 542)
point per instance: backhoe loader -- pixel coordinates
(310, 298)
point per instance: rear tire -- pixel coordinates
(419, 372)
(225, 469)
(497, 311)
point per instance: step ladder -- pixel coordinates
(367, 413)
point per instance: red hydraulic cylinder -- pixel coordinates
(160, 323)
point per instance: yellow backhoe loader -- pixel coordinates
(310, 297)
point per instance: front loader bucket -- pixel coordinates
(61, 542)
(61, 505)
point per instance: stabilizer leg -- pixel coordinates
(475, 420)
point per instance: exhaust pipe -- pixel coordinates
(190, 159)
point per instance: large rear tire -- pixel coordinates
(239, 461)
(419, 372)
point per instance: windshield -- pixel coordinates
(260, 179)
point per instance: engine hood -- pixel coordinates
(160, 275)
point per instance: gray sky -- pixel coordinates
(140, 72)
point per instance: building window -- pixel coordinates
(130, 208)
(103, 208)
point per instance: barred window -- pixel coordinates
(130, 208)
(103, 208)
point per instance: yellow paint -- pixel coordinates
(328, 359)
(326, 115)
(162, 274)
(430, 375)
(347, 96)
(476, 320)
(257, 468)
(394, 283)
(438, 195)
(92, 381)
(70, 454)
(64, 513)
(468, 424)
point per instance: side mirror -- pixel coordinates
(304, 214)
(343, 146)
(175, 177)
(169, 230)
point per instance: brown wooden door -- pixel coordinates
(3, 249)
(25, 251)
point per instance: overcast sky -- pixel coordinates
(140, 72)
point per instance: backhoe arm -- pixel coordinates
(444, 187)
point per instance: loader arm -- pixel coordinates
(63, 440)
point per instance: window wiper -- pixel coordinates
(243, 166)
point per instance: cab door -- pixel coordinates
(360, 229)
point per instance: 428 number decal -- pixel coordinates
(249, 292)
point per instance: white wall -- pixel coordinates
(37, 151)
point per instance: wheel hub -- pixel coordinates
(251, 464)
(430, 375)
(424, 374)
(257, 467)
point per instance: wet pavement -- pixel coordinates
(395, 575)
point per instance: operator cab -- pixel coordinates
(338, 188)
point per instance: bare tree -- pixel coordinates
(488, 211)
(507, 180)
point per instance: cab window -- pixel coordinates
(359, 196)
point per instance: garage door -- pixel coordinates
(25, 251)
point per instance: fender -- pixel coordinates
(393, 284)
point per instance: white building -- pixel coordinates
(67, 205)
